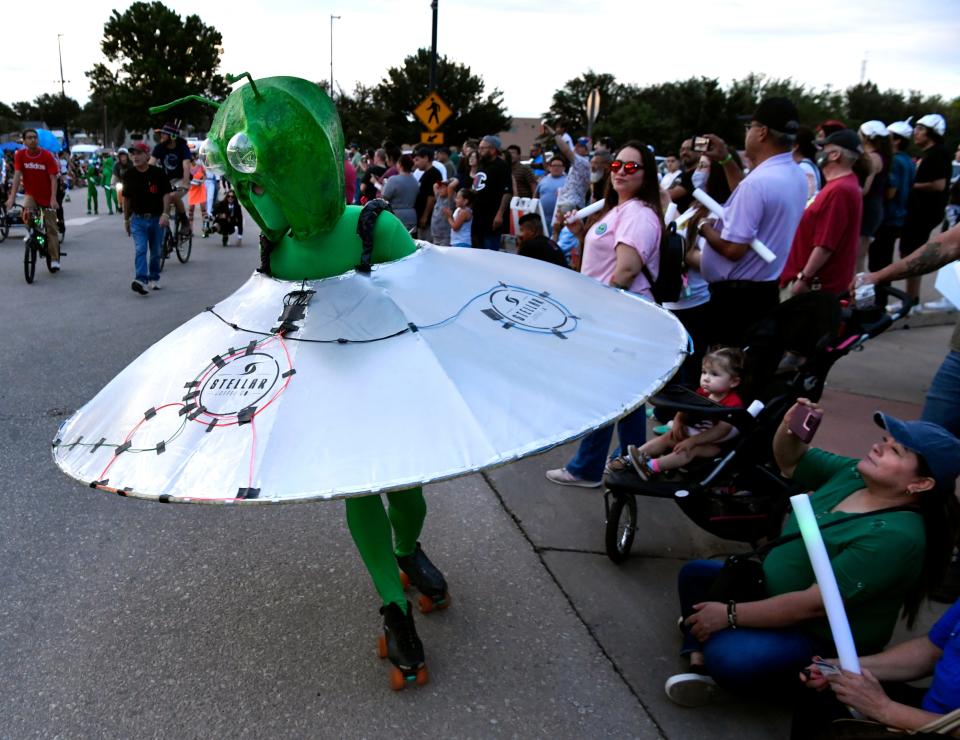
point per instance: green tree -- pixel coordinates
(475, 112)
(570, 101)
(58, 111)
(154, 57)
(360, 117)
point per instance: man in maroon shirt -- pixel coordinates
(38, 170)
(824, 250)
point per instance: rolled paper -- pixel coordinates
(817, 551)
(585, 212)
(717, 210)
(671, 213)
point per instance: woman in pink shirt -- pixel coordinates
(621, 247)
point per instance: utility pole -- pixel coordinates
(60, 53)
(332, 19)
(863, 68)
(433, 53)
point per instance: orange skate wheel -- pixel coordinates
(404, 580)
(397, 681)
(422, 676)
(426, 604)
(382, 646)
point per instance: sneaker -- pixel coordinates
(137, 287)
(690, 689)
(915, 310)
(55, 266)
(617, 465)
(639, 462)
(563, 477)
(942, 305)
(155, 285)
(239, 241)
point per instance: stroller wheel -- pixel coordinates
(621, 526)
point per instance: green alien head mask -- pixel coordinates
(279, 142)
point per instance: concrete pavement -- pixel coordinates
(128, 619)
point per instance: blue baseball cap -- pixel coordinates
(939, 448)
(583, 141)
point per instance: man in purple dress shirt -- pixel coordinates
(766, 205)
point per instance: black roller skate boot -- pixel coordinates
(399, 643)
(417, 570)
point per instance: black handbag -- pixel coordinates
(741, 577)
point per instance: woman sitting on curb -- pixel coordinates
(885, 523)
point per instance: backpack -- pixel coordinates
(668, 286)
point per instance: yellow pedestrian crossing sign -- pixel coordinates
(427, 137)
(432, 111)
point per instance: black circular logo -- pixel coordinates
(241, 382)
(530, 310)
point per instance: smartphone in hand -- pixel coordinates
(804, 425)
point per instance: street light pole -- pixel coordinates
(332, 18)
(60, 54)
(433, 52)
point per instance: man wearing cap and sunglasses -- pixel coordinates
(824, 250)
(173, 155)
(766, 205)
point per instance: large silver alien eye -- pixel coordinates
(241, 153)
(211, 158)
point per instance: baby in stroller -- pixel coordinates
(720, 376)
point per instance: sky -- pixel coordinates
(529, 49)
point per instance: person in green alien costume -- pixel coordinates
(279, 142)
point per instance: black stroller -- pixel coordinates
(740, 495)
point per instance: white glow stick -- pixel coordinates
(671, 213)
(836, 614)
(682, 219)
(717, 210)
(585, 212)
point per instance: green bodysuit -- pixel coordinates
(279, 142)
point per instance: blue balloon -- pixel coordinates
(48, 141)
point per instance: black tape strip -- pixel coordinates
(232, 351)
(190, 396)
(127, 489)
(559, 334)
(413, 328)
(341, 340)
(186, 409)
(164, 498)
(98, 444)
(161, 447)
(289, 372)
(490, 313)
(56, 442)
(250, 347)
(507, 324)
(544, 294)
(248, 493)
(210, 426)
(191, 384)
(245, 416)
(74, 444)
(218, 361)
(200, 409)
(94, 484)
(149, 413)
(122, 448)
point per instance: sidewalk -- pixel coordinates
(631, 609)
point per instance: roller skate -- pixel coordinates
(417, 570)
(399, 643)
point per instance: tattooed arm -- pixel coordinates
(941, 250)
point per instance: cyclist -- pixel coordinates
(38, 170)
(172, 155)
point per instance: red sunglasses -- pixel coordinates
(629, 168)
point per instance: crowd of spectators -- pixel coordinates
(828, 202)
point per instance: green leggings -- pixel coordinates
(373, 529)
(92, 200)
(110, 195)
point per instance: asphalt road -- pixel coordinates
(121, 618)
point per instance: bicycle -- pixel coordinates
(36, 243)
(4, 223)
(176, 237)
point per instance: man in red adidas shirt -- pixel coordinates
(38, 169)
(824, 249)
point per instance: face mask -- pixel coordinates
(823, 158)
(595, 176)
(699, 179)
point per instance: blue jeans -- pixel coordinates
(147, 234)
(942, 405)
(745, 660)
(591, 456)
(489, 241)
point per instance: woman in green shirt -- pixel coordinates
(894, 512)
